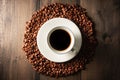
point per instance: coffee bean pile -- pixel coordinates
(75, 13)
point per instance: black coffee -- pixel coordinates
(60, 39)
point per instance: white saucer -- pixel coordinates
(43, 40)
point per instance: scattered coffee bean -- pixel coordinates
(75, 13)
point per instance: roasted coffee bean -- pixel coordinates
(75, 13)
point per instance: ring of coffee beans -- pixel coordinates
(73, 12)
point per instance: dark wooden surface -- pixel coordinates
(104, 13)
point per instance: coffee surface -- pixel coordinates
(60, 39)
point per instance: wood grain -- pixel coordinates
(106, 17)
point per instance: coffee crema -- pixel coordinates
(60, 39)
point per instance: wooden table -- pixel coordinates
(104, 13)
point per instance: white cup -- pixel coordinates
(71, 39)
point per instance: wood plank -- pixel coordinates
(13, 15)
(105, 14)
(43, 3)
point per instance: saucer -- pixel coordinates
(43, 40)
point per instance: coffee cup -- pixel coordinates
(59, 40)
